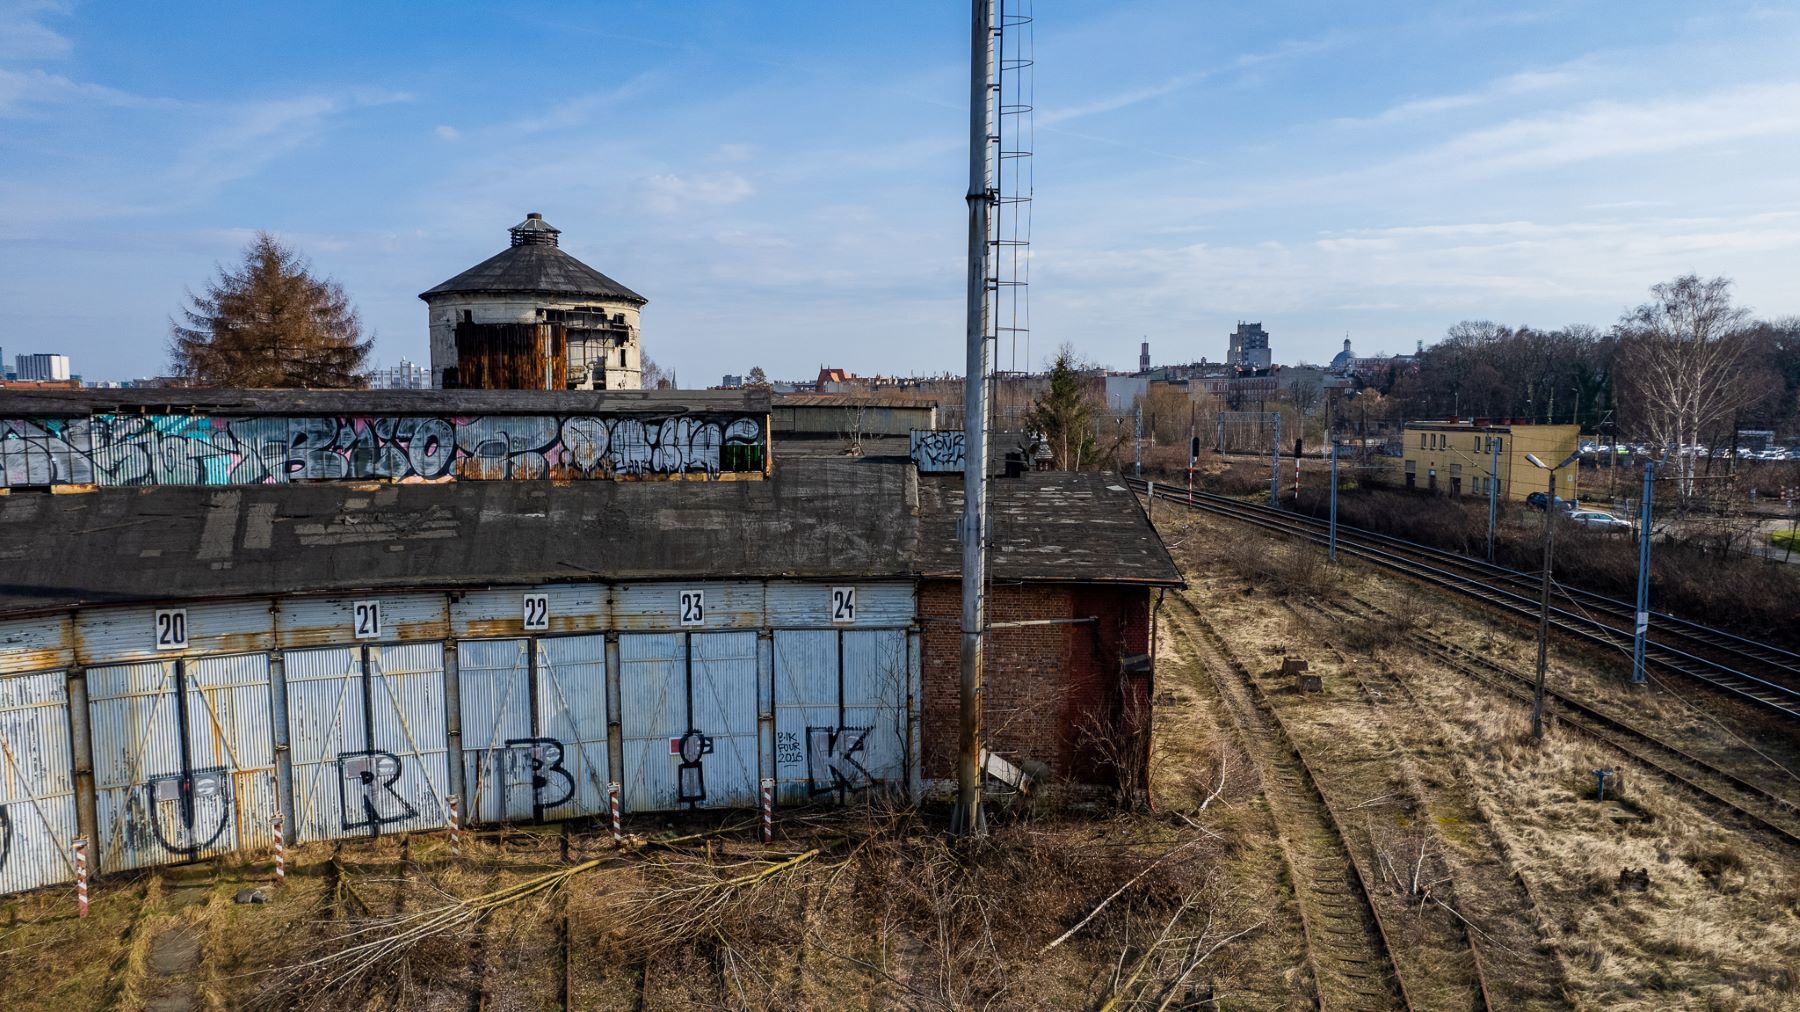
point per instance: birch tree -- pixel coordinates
(1686, 363)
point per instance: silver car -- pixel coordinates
(1596, 520)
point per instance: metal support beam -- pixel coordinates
(1642, 627)
(1493, 494)
(1331, 551)
(1275, 465)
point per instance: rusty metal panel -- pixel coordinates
(182, 759)
(494, 676)
(321, 621)
(112, 635)
(36, 644)
(572, 608)
(571, 704)
(653, 606)
(37, 788)
(806, 696)
(795, 605)
(506, 447)
(231, 727)
(652, 711)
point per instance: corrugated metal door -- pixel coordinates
(806, 696)
(874, 704)
(571, 712)
(689, 719)
(840, 712)
(182, 757)
(368, 738)
(496, 714)
(37, 789)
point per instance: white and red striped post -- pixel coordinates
(612, 800)
(1296, 481)
(768, 809)
(280, 850)
(81, 876)
(455, 826)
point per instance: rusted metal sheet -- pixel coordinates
(37, 790)
(795, 605)
(367, 730)
(182, 758)
(36, 644)
(318, 621)
(511, 356)
(512, 611)
(723, 605)
(112, 635)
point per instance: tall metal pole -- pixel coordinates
(1137, 457)
(1275, 466)
(1493, 494)
(1331, 552)
(1543, 654)
(1642, 630)
(969, 819)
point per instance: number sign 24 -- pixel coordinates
(843, 605)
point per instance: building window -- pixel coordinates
(1422, 438)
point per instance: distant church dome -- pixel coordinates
(1341, 361)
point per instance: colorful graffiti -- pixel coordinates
(257, 450)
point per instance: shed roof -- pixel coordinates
(1049, 527)
(821, 519)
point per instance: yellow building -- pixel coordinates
(1456, 457)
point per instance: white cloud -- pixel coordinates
(670, 193)
(448, 133)
(1522, 83)
(580, 110)
(24, 92)
(24, 36)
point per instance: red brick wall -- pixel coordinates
(1041, 682)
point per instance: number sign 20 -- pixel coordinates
(693, 607)
(843, 605)
(365, 620)
(537, 612)
(171, 629)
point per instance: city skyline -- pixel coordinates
(774, 181)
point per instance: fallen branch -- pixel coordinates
(1133, 880)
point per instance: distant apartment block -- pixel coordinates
(1249, 347)
(404, 376)
(42, 367)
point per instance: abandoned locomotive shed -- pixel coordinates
(357, 610)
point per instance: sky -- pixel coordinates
(784, 182)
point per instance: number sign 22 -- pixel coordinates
(537, 612)
(171, 629)
(843, 605)
(365, 620)
(693, 607)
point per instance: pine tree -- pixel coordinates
(270, 323)
(1064, 417)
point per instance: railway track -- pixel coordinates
(1509, 948)
(1740, 797)
(1347, 945)
(1762, 674)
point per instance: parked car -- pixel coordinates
(1598, 521)
(1536, 501)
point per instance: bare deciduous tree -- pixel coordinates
(1687, 363)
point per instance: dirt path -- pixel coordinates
(174, 959)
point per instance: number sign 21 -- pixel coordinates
(365, 620)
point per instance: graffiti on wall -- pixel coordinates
(833, 759)
(690, 775)
(366, 795)
(255, 450)
(202, 809)
(936, 451)
(538, 763)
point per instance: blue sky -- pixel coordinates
(784, 181)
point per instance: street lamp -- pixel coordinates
(1543, 656)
